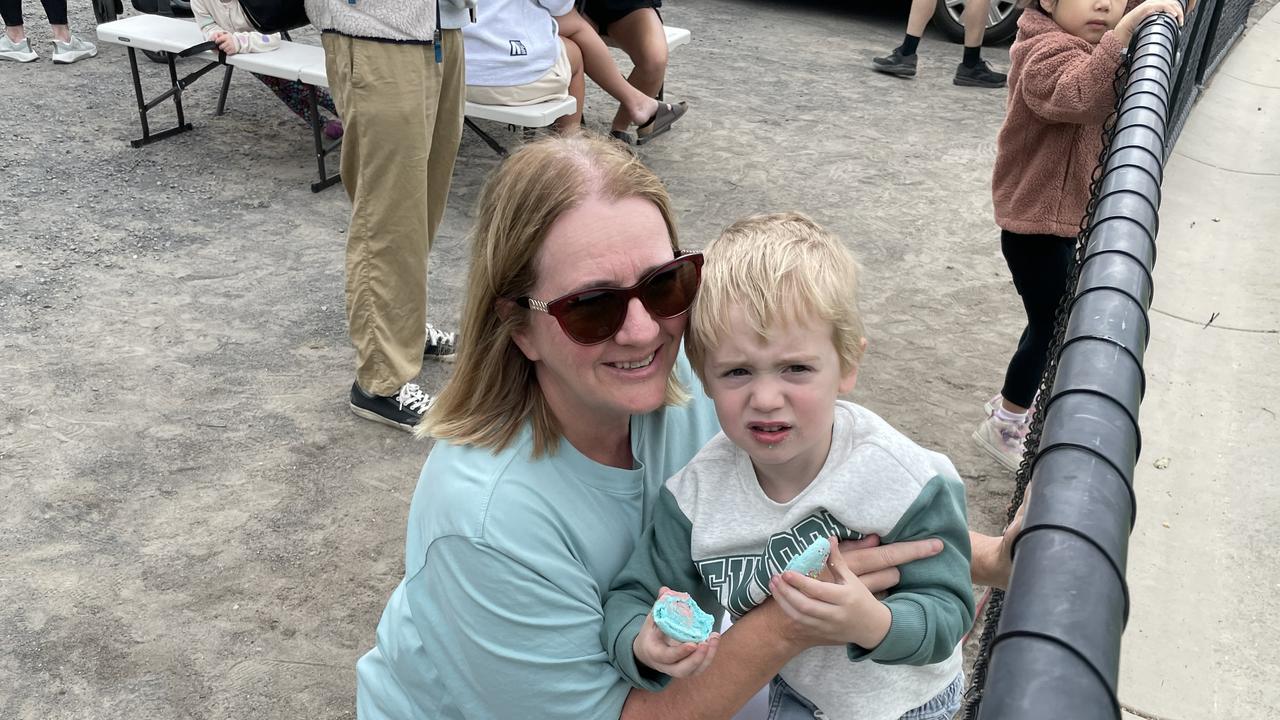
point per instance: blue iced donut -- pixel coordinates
(811, 561)
(680, 618)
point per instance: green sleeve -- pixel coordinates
(662, 557)
(932, 605)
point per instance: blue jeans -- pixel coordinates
(787, 704)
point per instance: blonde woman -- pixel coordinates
(571, 403)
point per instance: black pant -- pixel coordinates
(55, 10)
(1040, 265)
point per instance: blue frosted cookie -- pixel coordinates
(811, 561)
(680, 618)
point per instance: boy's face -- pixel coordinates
(1086, 19)
(776, 398)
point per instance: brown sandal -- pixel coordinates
(661, 121)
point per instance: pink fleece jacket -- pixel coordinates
(1060, 93)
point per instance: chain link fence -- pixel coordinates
(1050, 648)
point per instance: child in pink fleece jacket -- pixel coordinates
(1063, 66)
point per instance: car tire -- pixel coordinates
(1001, 26)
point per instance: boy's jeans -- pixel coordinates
(786, 704)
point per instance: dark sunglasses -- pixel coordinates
(591, 316)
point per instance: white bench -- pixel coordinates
(292, 61)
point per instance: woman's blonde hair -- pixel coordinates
(778, 268)
(494, 389)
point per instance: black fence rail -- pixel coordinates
(1050, 648)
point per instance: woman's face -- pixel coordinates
(598, 387)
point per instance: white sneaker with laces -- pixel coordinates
(68, 52)
(440, 345)
(16, 51)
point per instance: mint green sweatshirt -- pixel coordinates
(716, 535)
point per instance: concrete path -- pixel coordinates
(1203, 641)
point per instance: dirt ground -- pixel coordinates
(193, 523)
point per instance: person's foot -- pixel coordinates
(16, 51)
(622, 136)
(440, 345)
(72, 50)
(333, 129)
(980, 75)
(896, 64)
(663, 118)
(1003, 440)
(404, 410)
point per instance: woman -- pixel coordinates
(570, 405)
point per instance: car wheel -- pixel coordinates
(1002, 20)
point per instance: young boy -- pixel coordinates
(775, 336)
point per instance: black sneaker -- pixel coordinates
(980, 75)
(895, 63)
(403, 410)
(440, 344)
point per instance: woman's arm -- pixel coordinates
(758, 645)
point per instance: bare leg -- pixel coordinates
(16, 33)
(641, 37)
(975, 21)
(61, 33)
(577, 88)
(599, 66)
(921, 13)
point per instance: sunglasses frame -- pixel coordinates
(552, 307)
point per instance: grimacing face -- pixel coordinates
(597, 387)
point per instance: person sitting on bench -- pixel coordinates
(521, 52)
(223, 22)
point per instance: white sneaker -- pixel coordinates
(76, 49)
(1002, 440)
(441, 345)
(16, 51)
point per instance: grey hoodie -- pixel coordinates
(394, 20)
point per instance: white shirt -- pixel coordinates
(513, 42)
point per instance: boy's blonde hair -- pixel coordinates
(779, 268)
(493, 390)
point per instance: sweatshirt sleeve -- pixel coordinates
(1066, 82)
(662, 557)
(932, 605)
(204, 19)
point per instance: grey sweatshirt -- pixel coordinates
(716, 535)
(394, 20)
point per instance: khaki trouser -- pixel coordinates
(402, 120)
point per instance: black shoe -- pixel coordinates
(403, 410)
(980, 75)
(895, 63)
(440, 344)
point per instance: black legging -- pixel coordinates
(1040, 265)
(55, 10)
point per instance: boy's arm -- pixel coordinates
(661, 557)
(932, 605)
(1067, 83)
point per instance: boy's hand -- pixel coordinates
(678, 659)
(226, 42)
(843, 611)
(1132, 19)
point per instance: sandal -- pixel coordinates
(660, 122)
(622, 136)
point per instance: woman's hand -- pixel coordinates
(671, 657)
(1132, 19)
(876, 565)
(842, 611)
